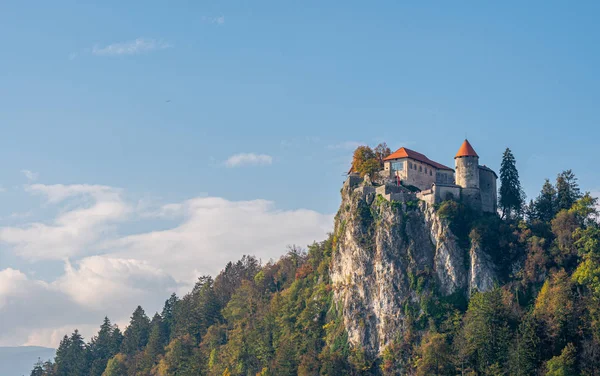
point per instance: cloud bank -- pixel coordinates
(109, 270)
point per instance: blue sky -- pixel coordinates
(125, 114)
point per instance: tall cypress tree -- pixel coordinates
(511, 195)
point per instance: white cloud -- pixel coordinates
(111, 274)
(91, 213)
(100, 281)
(215, 231)
(30, 175)
(138, 46)
(244, 159)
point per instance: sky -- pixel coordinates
(146, 143)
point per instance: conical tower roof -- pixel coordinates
(466, 150)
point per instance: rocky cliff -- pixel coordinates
(390, 257)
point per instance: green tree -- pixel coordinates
(524, 356)
(136, 334)
(486, 332)
(177, 359)
(433, 355)
(563, 364)
(71, 356)
(167, 314)
(156, 342)
(511, 197)
(38, 369)
(567, 190)
(116, 366)
(555, 309)
(545, 205)
(101, 348)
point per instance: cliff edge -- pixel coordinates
(392, 254)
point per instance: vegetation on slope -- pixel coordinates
(280, 318)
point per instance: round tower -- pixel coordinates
(466, 162)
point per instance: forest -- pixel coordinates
(280, 318)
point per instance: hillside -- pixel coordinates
(399, 288)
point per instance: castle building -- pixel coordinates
(469, 182)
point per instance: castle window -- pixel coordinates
(410, 165)
(420, 168)
(430, 173)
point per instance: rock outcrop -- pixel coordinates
(389, 257)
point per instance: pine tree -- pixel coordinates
(511, 198)
(156, 343)
(524, 359)
(486, 332)
(38, 369)
(101, 348)
(546, 203)
(567, 190)
(71, 356)
(136, 334)
(167, 314)
(116, 339)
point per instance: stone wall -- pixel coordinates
(467, 172)
(394, 193)
(471, 197)
(444, 177)
(447, 192)
(439, 193)
(419, 174)
(489, 193)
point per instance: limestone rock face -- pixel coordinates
(388, 258)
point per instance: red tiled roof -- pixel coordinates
(407, 153)
(466, 150)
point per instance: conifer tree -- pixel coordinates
(512, 197)
(71, 356)
(567, 190)
(486, 332)
(101, 348)
(167, 314)
(136, 334)
(38, 369)
(156, 342)
(546, 203)
(116, 339)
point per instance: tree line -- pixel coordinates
(543, 317)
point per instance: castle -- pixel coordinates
(469, 182)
